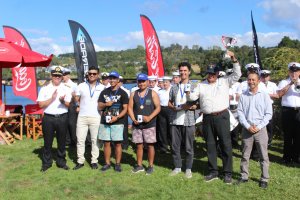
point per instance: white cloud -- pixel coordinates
(48, 46)
(282, 13)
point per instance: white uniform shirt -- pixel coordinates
(291, 98)
(156, 88)
(71, 85)
(164, 96)
(234, 88)
(56, 107)
(271, 88)
(89, 99)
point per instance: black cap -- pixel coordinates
(212, 69)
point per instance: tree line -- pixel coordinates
(132, 61)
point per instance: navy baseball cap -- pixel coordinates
(142, 77)
(114, 74)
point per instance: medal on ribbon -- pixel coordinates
(142, 99)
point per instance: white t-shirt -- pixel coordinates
(71, 85)
(56, 107)
(89, 99)
(180, 99)
(291, 97)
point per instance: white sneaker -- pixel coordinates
(175, 172)
(188, 173)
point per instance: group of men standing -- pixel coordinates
(103, 112)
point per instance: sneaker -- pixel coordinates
(149, 170)
(263, 184)
(175, 172)
(105, 168)
(138, 169)
(211, 177)
(227, 179)
(188, 173)
(241, 181)
(94, 166)
(118, 168)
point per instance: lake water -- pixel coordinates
(11, 99)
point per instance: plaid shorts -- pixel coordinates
(147, 135)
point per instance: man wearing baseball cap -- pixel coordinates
(113, 102)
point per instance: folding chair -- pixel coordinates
(33, 121)
(15, 126)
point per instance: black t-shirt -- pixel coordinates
(119, 97)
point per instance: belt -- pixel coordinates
(291, 108)
(217, 113)
(56, 115)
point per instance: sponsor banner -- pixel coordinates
(153, 52)
(84, 51)
(24, 78)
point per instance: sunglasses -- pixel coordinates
(94, 74)
(56, 75)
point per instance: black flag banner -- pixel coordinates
(84, 51)
(255, 44)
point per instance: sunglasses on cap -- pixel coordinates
(56, 75)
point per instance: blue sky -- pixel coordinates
(115, 25)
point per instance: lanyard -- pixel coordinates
(181, 91)
(92, 93)
(142, 99)
(114, 93)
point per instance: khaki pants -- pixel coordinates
(85, 123)
(261, 142)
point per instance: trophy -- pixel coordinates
(227, 42)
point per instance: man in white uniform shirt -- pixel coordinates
(164, 136)
(272, 91)
(153, 83)
(54, 99)
(213, 95)
(289, 90)
(176, 77)
(71, 139)
(87, 94)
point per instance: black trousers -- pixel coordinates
(50, 126)
(291, 130)
(71, 138)
(218, 126)
(164, 133)
(183, 134)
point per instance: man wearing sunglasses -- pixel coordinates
(54, 99)
(87, 94)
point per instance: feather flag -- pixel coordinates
(23, 77)
(84, 50)
(153, 52)
(255, 44)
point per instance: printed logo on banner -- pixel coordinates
(82, 44)
(153, 46)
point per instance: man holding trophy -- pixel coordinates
(213, 96)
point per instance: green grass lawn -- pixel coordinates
(20, 178)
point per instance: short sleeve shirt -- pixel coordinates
(119, 97)
(56, 107)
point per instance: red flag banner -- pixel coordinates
(24, 79)
(153, 52)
